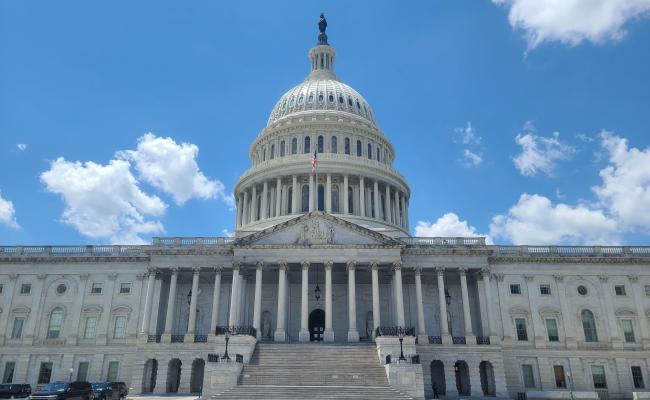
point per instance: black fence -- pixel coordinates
(214, 357)
(483, 340)
(395, 331)
(200, 338)
(236, 330)
(178, 338)
(153, 339)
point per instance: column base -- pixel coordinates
(280, 335)
(328, 335)
(470, 340)
(166, 338)
(446, 339)
(495, 339)
(423, 338)
(303, 335)
(189, 338)
(353, 336)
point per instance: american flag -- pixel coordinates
(314, 162)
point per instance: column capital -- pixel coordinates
(329, 265)
(558, 278)
(397, 266)
(633, 278)
(283, 265)
(218, 269)
(462, 271)
(417, 269)
(499, 277)
(152, 270)
(111, 276)
(139, 277)
(603, 278)
(196, 270)
(440, 270)
(374, 266)
(173, 270)
(351, 265)
(259, 265)
(305, 264)
(13, 276)
(529, 278)
(485, 272)
(236, 265)
(84, 277)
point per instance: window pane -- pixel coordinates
(620, 290)
(529, 377)
(515, 288)
(589, 326)
(82, 371)
(8, 374)
(17, 331)
(91, 325)
(628, 330)
(111, 376)
(545, 289)
(334, 145)
(54, 328)
(25, 288)
(560, 381)
(45, 373)
(347, 146)
(520, 324)
(307, 147)
(551, 328)
(125, 288)
(637, 378)
(120, 328)
(335, 199)
(305, 198)
(598, 374)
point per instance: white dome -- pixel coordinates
(322, 94)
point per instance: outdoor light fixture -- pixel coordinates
(225, 354)
(317, 290)
(401, 345)
(447, 297)
(189, 297)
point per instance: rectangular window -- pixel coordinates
(8, 374)
(25, 288)
(545, 289)
(647, 290)
(628, 330)
(125, 287)
(520, 325)
(82, 371)
(551, 329)
(598, 374)
(96, 288)
(560, 379)
(529, 377)
(637, 378)
(17, 331)
(54, 329)
(1, 288)
(515, 288)
(120, 328)
(44, 373)
(90, 328)
(113, 366)
(620, 290)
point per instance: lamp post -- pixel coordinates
(401, 345)
(225, 354)
(448, 301)
(571, 389)
(71, 371)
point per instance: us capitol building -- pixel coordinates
(322, 291)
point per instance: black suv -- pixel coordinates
(64, 391)
(120, 387)
(103, 391)
(14, 391)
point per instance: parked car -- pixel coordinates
(104, 391)
(14, 391)
(120, 387)
(64, 391)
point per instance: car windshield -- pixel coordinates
(5, 387)
(100, 386)
(56, 387)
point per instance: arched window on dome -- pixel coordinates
(350, 200)
(310, 99)
(259, 207)
(589, 326)
(347, 145)
(305, 198)
(289, 200)
(321, 198)
(341, 99)
(320, 97)
(349, 102)
(307, 147)
(385, 156)
(378, 153)
(372, 204)
(334, 145)
(294, 146)
(301, 99)
(382, 207)
(335, 198)
(358, 148)
(272, 151)
(331, 98)
(369, 151)
(54, 325)
(320, 143)
(282, 148)
(358, 106)
(263, 153)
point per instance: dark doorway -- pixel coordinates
(462, 378)
(316, 325)
(438, 379)
(150, 372)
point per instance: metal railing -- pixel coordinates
(443, 241)
(178, 338)
(153, 339)
(236, 330)
(63, 251)
(395, 331)
(191, 241)
(200, 338)
(435, 339)
(458, 340)
(483, 340)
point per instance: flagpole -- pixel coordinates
(316, 172)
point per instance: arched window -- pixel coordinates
(305, 198)
(369, 151)
(320, 143)
(321, 198)
(350, 200)
(347, 145)
(589, 326)
(282, 148)
(263, 153)
(259, 207)
(335, 199)
(358, 148)
(289, 199)
(54, 326)
(272, 151)
(307, 148)
(334, 145)
(372, 204)
(294, 146)
(378, 153)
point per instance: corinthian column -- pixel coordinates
(376, 318)
(234, 296)
(376, 200)
(147, 303)
(171, 299)
(294, 195)
(328, 335)
(387, 210)
(346, 209)
(397, 267)
(191, 324)
(328, 194)
(303, 335)
(278, 197)
(442, 302)
(264, 206)
(280, 332)
(422, 331)
(362, 197)
(466, 311)
(312, 193)
(257, 307)
(216, 296)
(353, 333)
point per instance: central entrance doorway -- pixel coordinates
(316, 325)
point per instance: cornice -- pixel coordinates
(72, 259)
(569, 260)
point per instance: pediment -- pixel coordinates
(316, 229)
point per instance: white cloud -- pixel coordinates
(467, 135)
(447, 225)
(625, 190)
(173, 169)
(227, 233)
(573, 21)
(470, 159)
(8, 213)
(21, 146)
(540, 154)
(535, 220)
(104, 201)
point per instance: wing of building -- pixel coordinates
(322, 287)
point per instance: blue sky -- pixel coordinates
(523, 120)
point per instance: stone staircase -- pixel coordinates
(314, 371)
